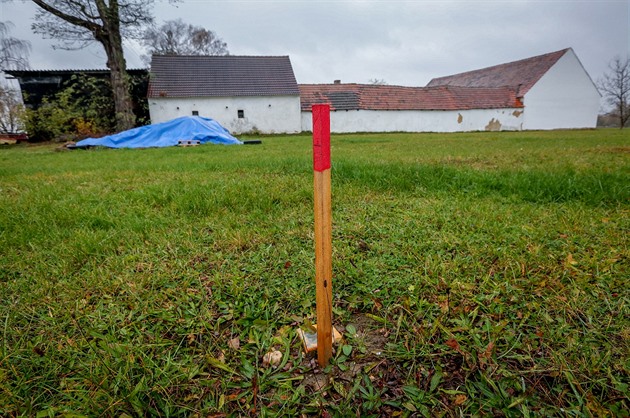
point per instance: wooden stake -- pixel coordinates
(323, 231)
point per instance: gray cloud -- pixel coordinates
(403, 42)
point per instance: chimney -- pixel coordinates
(337, 82)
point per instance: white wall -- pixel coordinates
(420, 121)
(565, 97)
(265, 114)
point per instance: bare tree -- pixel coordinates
(175, 37)
(13, 52)
(377, 81)
(11, 110)
(615, 85)
(77, 23)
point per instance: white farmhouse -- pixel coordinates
(242, 93)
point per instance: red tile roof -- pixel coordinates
(384, 97)
(221, 76)
(524, 73)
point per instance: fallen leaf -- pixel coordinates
(272, 358)
(486, 354)
(232, 397)
(443, 304)
(234, 343)
(460, 399)
(453, 344)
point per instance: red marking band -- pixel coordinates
(321, 137)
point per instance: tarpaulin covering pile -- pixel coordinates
(166, 134)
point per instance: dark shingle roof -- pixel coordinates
(379, 97)
(524, 73)
(66, 71)
(221, 76)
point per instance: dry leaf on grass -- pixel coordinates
(272, 358)
(234, 343)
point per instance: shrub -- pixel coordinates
(83, 108)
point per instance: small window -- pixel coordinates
(195, 113)
(241, 113)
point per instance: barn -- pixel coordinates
(550, 91)
(383, 108)
(242, 93)
(556, 90)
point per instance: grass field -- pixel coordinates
(474, 274)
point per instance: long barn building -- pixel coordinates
(261, 94)
(550, 91)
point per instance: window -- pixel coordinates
(195, 113)
(241, 113)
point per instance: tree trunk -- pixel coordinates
(112, 42)
(125, 118)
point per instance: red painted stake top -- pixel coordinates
(321, 137)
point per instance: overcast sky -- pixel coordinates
(401, 42)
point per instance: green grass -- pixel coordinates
(474, 274)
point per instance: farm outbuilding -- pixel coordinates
(378, 108)
(550, 91)
(555, 89)
(242, 93)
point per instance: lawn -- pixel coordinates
(473, 274)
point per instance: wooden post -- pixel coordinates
(323, 231)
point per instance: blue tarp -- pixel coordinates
(166, 134)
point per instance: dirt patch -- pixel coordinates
(371, 333)
(609, 150)
(619, 150)
(366, 361)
